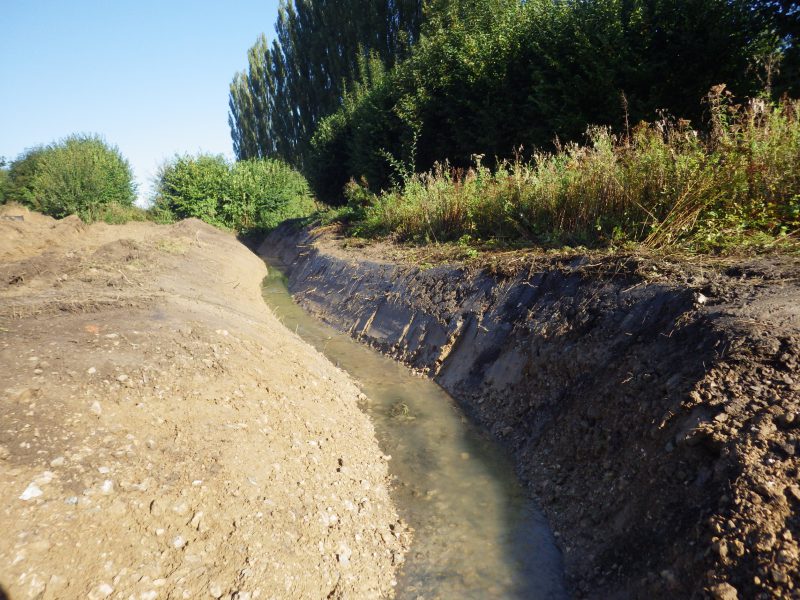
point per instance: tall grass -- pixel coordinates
(662, 184)
(115, 213)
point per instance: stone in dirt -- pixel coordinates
(31, 492)
(103, 590)
(724, 591)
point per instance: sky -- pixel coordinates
(150, 76)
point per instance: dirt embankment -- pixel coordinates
(164, 436)
(652, 406)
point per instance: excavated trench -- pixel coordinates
(651, 407)
(476, 534)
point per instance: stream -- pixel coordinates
(476, 533)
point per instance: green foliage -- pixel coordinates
(778, 62)
(246, 196)
(78, 175)
(266, 192)
(358, 90)
(114, 213)
(190, 186)
(665, 185)
(326, 171)
(365, 122)
(19, 186)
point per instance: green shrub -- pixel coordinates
(357, 138)
(325, 171)
(19, 186)
(161, 215)
(194, 186)
(78, 175)
(245, 196)
(265, 192)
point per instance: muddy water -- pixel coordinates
(476, 535)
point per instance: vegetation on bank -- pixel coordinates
(536, 122)
(662, 184)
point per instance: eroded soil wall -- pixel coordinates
(651, 405)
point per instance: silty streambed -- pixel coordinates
(476, 534)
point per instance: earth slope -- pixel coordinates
(162, 435)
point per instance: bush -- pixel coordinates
(78, 175)
(114, 213)
(357, 138)
(194, 186)
(265, 192)
(19, 184)
(246, 196)
(327, 171)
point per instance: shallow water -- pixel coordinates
(476, 534)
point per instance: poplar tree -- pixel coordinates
(276, 104)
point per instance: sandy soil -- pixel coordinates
(162, 435)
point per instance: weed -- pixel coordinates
(401, 412)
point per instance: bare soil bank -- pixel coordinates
(652, 406)
(162, 435)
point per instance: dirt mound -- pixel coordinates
(164, 436)
(24, 234)
(17, 212)
(653, 406)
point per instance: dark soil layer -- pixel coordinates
(651, 406)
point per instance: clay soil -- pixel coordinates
(162, 435)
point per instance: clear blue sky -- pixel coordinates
(151, 76)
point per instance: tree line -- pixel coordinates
(373, 91)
